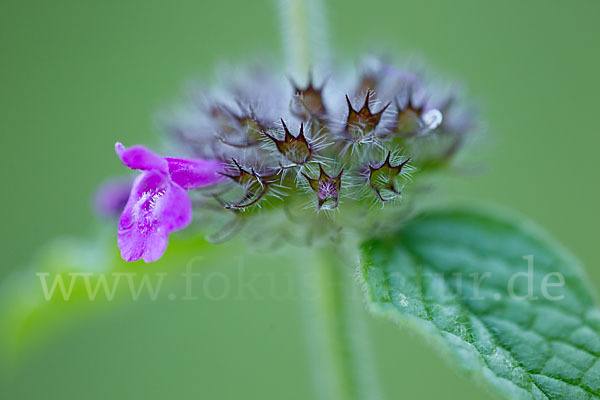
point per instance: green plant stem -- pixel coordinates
(337, 337)
(303, 29)
(341, 361)
(295, 31)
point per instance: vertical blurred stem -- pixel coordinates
(295, 31)
(340, 356)
(338, 343)
(304, 38)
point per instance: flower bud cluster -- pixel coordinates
(320, 147)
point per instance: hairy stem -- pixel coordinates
(304, 38)
(341, 360)
(339, 347)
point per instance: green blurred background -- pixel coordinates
(78, 75)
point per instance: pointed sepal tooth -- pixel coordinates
(256, 185)
(384, 179)
(296, 149)
(327, 188)
(308, 101)
(361, 124)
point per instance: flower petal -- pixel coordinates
(156, 207)
(111, 196)
(139, 157)
(192, 174)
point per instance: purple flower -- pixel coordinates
(158, 202)
(111, 196)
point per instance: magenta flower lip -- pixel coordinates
(158, 202)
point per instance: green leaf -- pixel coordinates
(545, 346)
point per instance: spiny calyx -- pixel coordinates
(413, 119)
(245, 127)
(361, 124)
(384, 178)
(296, 149)
(308, 101)
(327, 188)
(255, 185)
